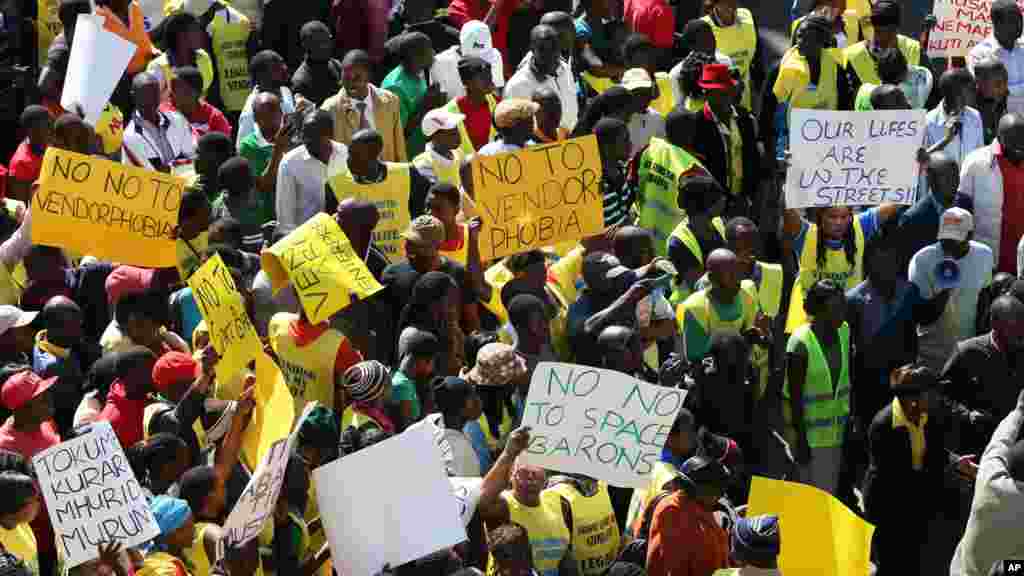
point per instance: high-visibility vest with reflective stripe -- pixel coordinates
(738, 42)
(661, 166)
(595, 532)
(837, 268)
(686, 236)
(703, 311)
(309, 369)
(545, 526)
(826, 409)
(467, 142)
(769, 291)
(866, 67)
(229, 35)
(448, 174)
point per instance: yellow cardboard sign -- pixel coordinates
(810, 519)
(231, 332)
(391, 197)
(319, 261)
(272, 417)
(106, 209)
(538, 196)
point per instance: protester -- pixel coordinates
(359, 105)
(186, 91)
(1001, 44)
(475, 41)
(319, 76)
(546, 68)
(303, 173)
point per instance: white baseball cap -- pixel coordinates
(475, 39)
(440, 119)
(14, 317)
(957, 224)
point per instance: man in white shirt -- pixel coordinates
(269, 74)
(960, 267)
(955, 85)
(474, 40)
(1005, 45)
(546, 68)
(646, 123)
(304, 172)
(155, 140)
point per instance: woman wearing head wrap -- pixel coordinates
(458, 403)
(368, 386)
(174, 518)
(755, 547)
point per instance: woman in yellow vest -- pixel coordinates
(846, 29)
(443, 158)
(23, 503)
(862, 58)
(830, 247)
(167, 557)
(183, 41)
(736, 37)
(367, 389)
(817, 389)
(587, 510)
(528, 504)
(444, 202)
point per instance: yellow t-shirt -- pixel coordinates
(21, 542)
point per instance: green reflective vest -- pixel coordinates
(661, 166)
(826, 409)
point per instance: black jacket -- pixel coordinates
(709, 145)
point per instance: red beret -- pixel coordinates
(172, 368)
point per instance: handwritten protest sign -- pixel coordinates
(257, 502)
(362, 539)
(319, 261)
(106, 209)
(466, 492)
(813, 520)
(273, 414)
(597, 422)
(231, 332)
(391, 197)
(853, 158)
(539, 196)
(92, 496)
(961, 25)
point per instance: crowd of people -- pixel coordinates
(868, 351)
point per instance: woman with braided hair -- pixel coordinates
(832, 247)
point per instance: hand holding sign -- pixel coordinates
(231, 332)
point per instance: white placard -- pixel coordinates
(97, 61)
(435, 422)
(602, 423)
(92, 495)
(420, 517)
(961, 25)
(467, 495)
(853, 158)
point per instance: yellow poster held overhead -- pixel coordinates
(231, 332)
(538, 196)
(273, 415)
(810, 519)
(390, 196)
(319, 261)
(105, 209)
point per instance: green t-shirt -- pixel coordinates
(410, 91)
(259, 152)
(404, 388)
(698, 341)
(249, 214)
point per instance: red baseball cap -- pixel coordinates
(174, 367)
(716, 77)
(22, 388)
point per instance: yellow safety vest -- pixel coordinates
(48, 27)
(851, 28)
(826, 408)
(196, 556)
(504, 429)
(595, 532)
(162, 564)
(391, 197)
(704, 313)
(461, 255)
(598, 84)
(467, 143)
(860, 11)
(738, 42)
(158, 407)
(666, 99)
(229, 35)
(686, 236)
(769, 292)
(549, 536)
(448, 174)
(350, 417)
(309, 370)
(836, 268)
(794, 87)
(661, 166)
(866, 67)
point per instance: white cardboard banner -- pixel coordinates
(92, 495)
(961, 25)
(853, 158)
(420, 517)
(601, 423)
(467, 495)
(97, 61)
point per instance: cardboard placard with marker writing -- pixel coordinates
(962, 24)
(92, 495)
(601, 423)
(105, 209)
(318, 259)
(222, 306)
(538, 196)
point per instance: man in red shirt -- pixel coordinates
(186, 88)
(29, 431)
(27, 160)
(129, 393)
(1009, 153)
(478, 104)
(652, 18)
